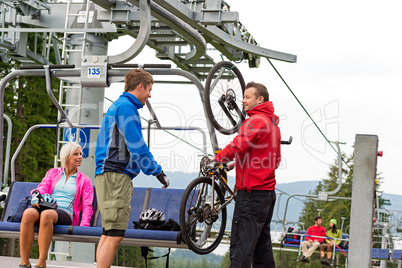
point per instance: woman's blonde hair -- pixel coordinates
(67, 150)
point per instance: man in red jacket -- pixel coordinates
(314, 237)
(257, 152)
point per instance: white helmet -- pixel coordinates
(152, 215)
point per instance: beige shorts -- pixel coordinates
(114, 191)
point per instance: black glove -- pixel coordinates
(163, 179)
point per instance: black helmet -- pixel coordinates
(152, 215)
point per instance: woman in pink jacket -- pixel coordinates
(71, 190)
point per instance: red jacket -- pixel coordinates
(316, 231)
(257, 149)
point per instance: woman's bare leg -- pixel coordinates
(48, 219)
(29, 218)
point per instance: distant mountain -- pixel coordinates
(295, 204)
(396, 201)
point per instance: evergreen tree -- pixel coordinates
(226, 260)
(130, 256)
(27, 103)
(334, 208)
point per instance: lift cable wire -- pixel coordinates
(294, 95)
(177, 137)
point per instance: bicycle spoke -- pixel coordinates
(217, 78)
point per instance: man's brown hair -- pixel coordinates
(261, 90)
(135, 77)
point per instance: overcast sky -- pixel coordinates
(347, 76)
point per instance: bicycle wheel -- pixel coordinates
(202, 226)
(224, 89)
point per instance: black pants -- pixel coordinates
(250, 236)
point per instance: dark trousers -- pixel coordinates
(250, 236)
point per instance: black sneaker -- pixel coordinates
(325, 261)
(304, 259)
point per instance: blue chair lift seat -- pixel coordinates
(166, 200)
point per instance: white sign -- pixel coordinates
(94, 72)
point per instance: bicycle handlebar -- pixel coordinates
(207, 165)
(288, 142)
(230, 165)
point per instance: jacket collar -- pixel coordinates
(133, 99)
(267, 109)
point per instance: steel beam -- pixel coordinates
(218, 36)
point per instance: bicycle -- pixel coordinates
(203, 212)
(203, 207)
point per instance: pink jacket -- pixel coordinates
(84, 195)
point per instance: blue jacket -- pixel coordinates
(120, 146)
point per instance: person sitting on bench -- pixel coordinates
(73, 193)
(329, 243)
(312, 242)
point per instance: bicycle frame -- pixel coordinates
(217, 176)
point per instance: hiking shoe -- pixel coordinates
(325, 261)
(304, 259)
(25, 265)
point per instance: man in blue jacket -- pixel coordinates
(121, 153)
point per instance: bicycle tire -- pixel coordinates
(195, 230)
(226, 121)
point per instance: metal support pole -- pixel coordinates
(384, 240)
(363, 197)
(343, 220)
(88, 100)
(8, 146)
